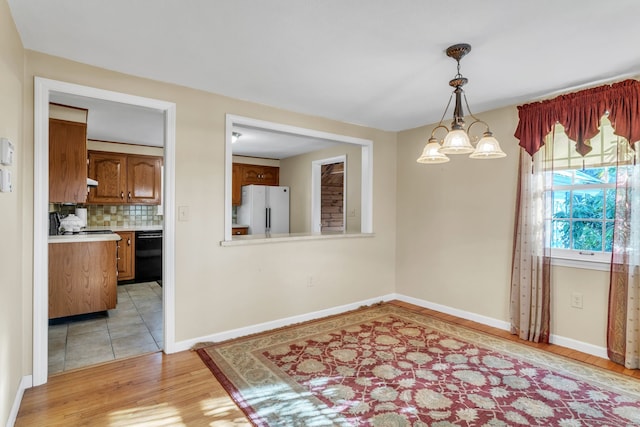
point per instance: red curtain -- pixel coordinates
(580, 113)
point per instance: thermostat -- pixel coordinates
(6, 152)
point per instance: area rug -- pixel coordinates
(389, 366)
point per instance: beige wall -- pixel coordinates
(222, 288)
(455, 230)
(255, 161)
(14, 328)
(119, 147)
(295, 172)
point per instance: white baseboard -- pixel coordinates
(584, 347)
(489, 321)
(485, 320)
(25, 383)
(261, 327)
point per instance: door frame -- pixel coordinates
(316, 192)
(42, 89)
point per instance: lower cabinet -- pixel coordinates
(239, 231)
(82, 278)
(126, 255)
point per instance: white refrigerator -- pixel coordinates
(265, 209)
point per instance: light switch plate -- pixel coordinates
(5, 181)
(183, 213)
(6, 151)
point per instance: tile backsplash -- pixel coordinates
(115, 216)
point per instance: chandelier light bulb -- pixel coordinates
(431, 153)
(456, 142)
(488, 148)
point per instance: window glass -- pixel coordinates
(582, 192)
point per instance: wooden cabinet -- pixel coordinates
(126, 255)
(125, 178)
(82, 278)
(67, 161)
(244, 174)
(110, 170)
(261, 175)
(239, 231)
(236, 184)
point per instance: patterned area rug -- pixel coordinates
(388, 366)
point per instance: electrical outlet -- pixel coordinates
(576, 300)
(309, 281)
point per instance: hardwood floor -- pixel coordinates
(177, 389)
(150, 390)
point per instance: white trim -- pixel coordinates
(283, 238)
(266, 326)
(316, 192)
(489, 321)
(366, 190)
(485, 320)
(25, 383)
(42, 89)
(584, 347)
(578, 263)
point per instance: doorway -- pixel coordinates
(328, 194)
(42, 91)
(332, 197)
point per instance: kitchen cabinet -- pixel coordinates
(244, 174)
(67, 161)
(82, 277)
(236, 184)
(239, 231)
(125, 178)
(126, 255)
(260, 175)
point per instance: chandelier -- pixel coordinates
(457, 140)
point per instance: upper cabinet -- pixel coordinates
(67, 161)
(261, 175)
(125, 178)
(244, 174)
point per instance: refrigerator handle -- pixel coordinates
(269, 215)
(266, 219)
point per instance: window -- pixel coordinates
(581, 194)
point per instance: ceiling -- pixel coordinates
(270, 144)
(370, 62)
(116, 122)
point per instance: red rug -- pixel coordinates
(387, 366)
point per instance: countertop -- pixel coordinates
(69, 238)
(239, 226)
(73, 238)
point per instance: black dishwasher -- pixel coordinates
(148, 255)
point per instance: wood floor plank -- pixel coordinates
(179, 390)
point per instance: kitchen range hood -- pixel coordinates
(92, 182)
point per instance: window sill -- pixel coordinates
(262, 239)
(575, 263)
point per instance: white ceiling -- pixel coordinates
(270, 144)
(112, 121)
(370, 62)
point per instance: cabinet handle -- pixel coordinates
(128, 242)
(129, 194)
(122, 194)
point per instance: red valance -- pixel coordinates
(580, 114)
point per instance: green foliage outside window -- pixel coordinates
(583, 217)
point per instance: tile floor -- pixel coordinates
(134, 327)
